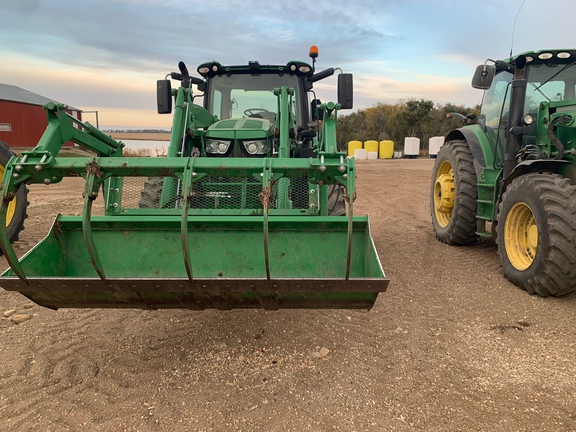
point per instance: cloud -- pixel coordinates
(109, 54)
(371, 90)
(87, 85)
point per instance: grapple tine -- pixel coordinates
(349, 239)
(90, 194)
(187, 194)
(265, 199)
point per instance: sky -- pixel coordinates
(106, 56)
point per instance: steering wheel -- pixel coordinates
(260, 113)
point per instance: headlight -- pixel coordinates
(215, 146)
(256, 147)
(528, 119)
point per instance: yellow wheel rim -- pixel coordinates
(521, 236)
(444, 194)
(12, 204)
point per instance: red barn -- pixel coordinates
(22, 118)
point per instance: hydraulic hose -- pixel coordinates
(564, 119)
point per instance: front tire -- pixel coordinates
(336, 200)
(151, 195)
(536, 234)
(16, 212)
(453, 194)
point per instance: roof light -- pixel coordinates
(313, 51)
(304, 69)
(563, 55)
(203, 70)
(529, 59)
(545, 56)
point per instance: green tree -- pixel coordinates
(420, 118)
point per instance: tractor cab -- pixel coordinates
(550, 78)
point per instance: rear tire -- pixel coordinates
(453, 194)
(536, 234)
(18, 206)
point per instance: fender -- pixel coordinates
(563, 167)
(478, 143)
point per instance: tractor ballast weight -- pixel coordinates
(246, 211)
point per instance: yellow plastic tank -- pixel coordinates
(386, 149)
(371, 146)
(353, 145)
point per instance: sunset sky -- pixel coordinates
(107, 55)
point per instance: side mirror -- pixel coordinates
(483, 77)
(164, 96)
(345, 90)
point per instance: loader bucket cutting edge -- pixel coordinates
(144, 265)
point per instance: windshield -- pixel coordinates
(551, 82)
(245, 95)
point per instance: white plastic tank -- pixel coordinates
(360, 154)
(434, 145)
(372, 155)
(411, 147)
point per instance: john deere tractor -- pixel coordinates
(512, 175)
(251, 208)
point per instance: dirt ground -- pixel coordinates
(451, 346)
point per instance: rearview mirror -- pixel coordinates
(483, 77)
(345, 90)
(164, 96)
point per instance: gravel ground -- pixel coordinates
(452, 345)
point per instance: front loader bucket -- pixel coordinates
(229, 262)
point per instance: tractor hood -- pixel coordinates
(239, 137)
(241, 128)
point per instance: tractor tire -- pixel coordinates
(17, 208)
(151, 193)
(453, 194)
(336, 201)
(536, 234)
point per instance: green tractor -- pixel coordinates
(512, 175)
(251, 208)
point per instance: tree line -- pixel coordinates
(412, 118)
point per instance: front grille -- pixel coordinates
(214, 193)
